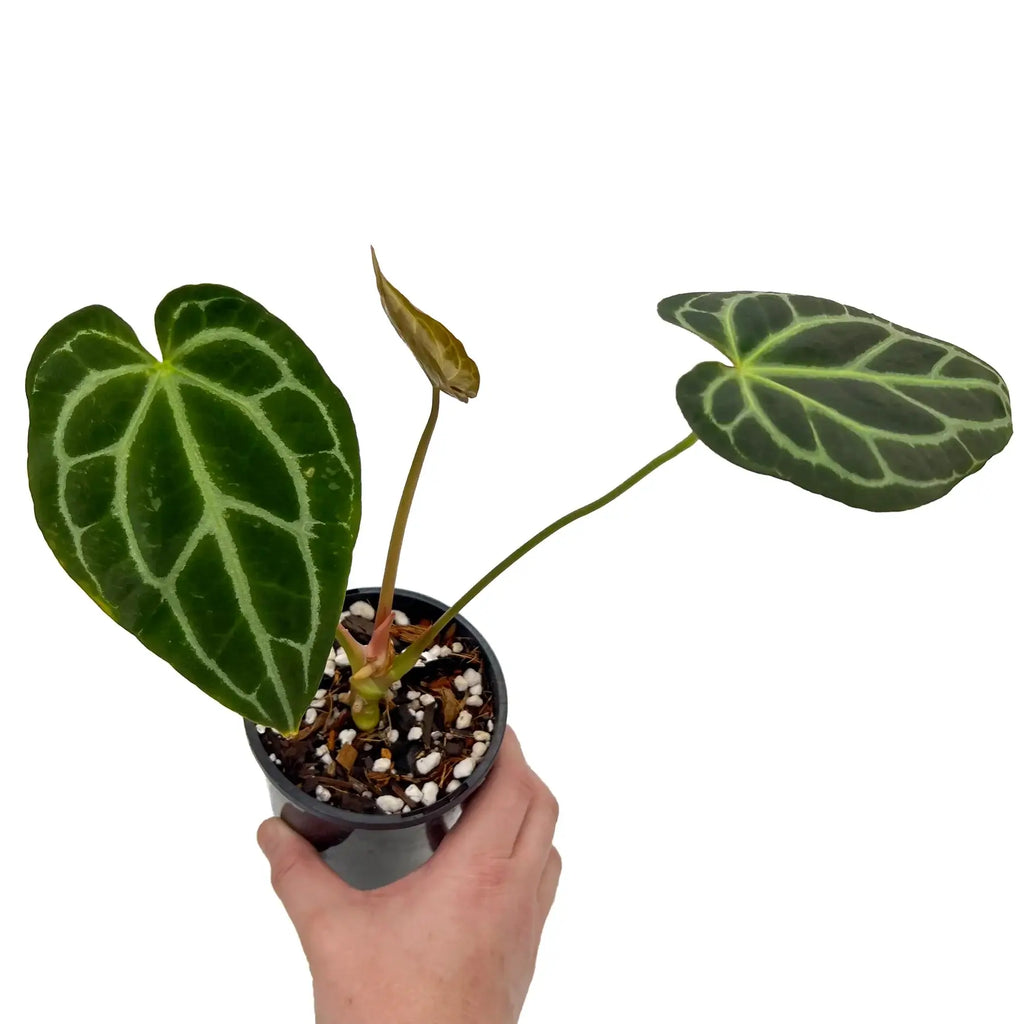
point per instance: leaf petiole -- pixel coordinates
(387, 587)
(407, 659)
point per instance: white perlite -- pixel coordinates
(323, 795)
(320, 693)
(427, 699)
(382, 764)
(419, 716)
(414, 793)
(261, 729)
(474, 701)
(428, 763)
(363, 609)
(482, 737)
(340, 658)
(490, 725)
(472, 677)
(460, 684)
(346, 736)
(479, 749)
(412, 695)
(401, 619)
(457, 648)
(464, 769)
(318, 702)
(310, 716)
(464, 721)
(392, 735)
(476, 689)
(452, 786)
(415, 733)
(321, 750)
(429, 793)
(390, 804)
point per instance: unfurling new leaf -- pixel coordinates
(836, 400)
(209, 502)
(438, 351)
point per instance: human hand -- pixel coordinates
(456, 941)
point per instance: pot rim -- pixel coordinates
(445, 803)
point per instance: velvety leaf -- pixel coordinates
(437, 350)
(208, 503)
(836, 400)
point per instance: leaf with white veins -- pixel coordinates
(836, 400)
(208, 503)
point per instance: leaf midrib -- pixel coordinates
(887, 380)
(859, 427)
(216, 525)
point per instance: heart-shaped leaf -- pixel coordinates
(209, 503)
(836, 400)
(438, 351)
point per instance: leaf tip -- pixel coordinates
(665, 307)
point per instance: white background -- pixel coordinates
(820, 816)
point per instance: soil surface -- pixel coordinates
(385, 771)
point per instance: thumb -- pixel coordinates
(306, 886)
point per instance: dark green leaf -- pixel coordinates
(208, 503)
(836, 400)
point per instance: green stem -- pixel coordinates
(407, 658)
(387, 587)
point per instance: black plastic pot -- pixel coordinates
(371, 850)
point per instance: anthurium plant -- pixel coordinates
(209, 501)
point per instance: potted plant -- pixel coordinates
(210, 502)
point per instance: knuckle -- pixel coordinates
(549, 802)
(492, 874)
(544, 798)
(524, 790)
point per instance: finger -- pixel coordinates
(549, 884)
(491, 821)
(303, 882)
(533, 843)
